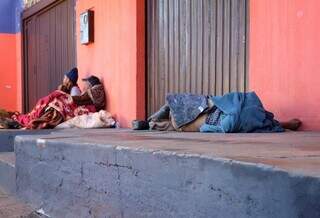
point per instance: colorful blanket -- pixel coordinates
(57, 100)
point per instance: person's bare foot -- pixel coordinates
(293, 124)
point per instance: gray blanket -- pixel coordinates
(185, 108)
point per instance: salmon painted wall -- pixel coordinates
(284, 58)
(10, 54)
(117, 54)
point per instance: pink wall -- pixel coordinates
(18, 73)
(10, 72)
(117, 55)
(10, 55)
(284, 58)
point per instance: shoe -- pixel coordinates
(140, 125)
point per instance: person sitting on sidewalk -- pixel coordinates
(70, 83)
(59, 106)
(93, 94)
(64, 107)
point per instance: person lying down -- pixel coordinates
(61, 105)
(231, 113)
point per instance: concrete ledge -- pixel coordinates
(7, 137)
(126, 174)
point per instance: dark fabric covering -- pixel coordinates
(242, 113)
(214, 116)
(185, 108)
(97, 96)
(165, 125)
(162, 114)
(8, 123)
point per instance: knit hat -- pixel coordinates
(93, 80)
(73, 75)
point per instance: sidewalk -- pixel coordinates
(10, 207)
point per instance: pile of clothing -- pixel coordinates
(101, 119)
(231, 113)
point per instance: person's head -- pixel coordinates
(71, 78)
(90, 82)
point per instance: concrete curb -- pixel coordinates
(94, 180)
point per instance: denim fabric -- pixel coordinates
(185, 108)
(242, 113)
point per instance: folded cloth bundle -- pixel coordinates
(101, 119)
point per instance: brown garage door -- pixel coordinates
(196, 46)
(49, 47)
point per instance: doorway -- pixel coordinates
(49, 47)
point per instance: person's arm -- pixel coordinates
(83, 99)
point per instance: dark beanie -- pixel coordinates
(73, 75)
(93, 80)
